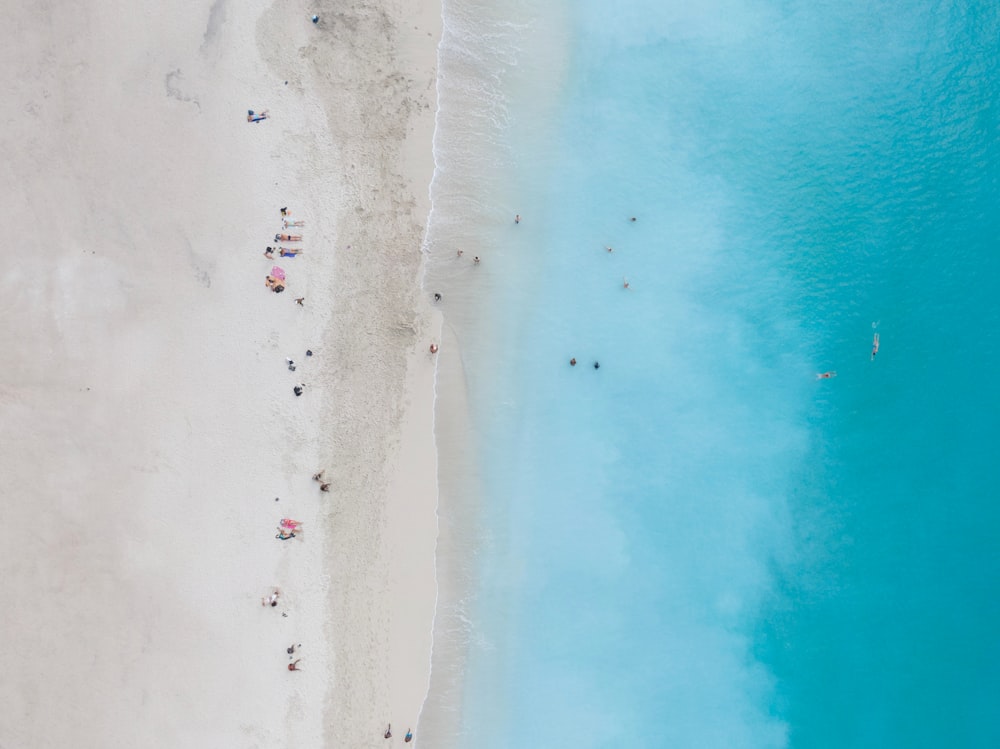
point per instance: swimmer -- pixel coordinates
(609, 248)
(517, 219)
(826, 375)
(874, 346)
(625, 284)
(632, 219)
(572, 362)
(476, 259)
(597, 365)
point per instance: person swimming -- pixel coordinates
(825, 375)
(874, 346)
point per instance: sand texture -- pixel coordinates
(147, 416)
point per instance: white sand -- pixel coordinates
(146, 413)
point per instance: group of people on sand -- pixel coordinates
(388, 734)
(272, 602)
(276, 279)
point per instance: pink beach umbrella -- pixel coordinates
(278, 273)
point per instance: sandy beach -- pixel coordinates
(152, 437)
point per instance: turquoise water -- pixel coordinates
(700, 544)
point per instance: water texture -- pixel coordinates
(701, 544)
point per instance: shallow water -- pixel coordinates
(699, 543)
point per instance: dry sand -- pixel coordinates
(146, 413)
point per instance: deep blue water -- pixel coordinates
(700, 544)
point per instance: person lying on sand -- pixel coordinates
(251, 117)
(293, 223)
(275, 284)
(294, 665)
(287, 237)
(288, 252)
(271, 600)
(284, 537)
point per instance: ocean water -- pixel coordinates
(700, 543)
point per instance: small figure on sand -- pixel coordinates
(299, 301)
(291, 365)
(476, 260)
(271, 600)
(256, 116)
(315, 19)
(826, 375)
(269, 252)
(284, 536)
(291, 648)
(285, 212)
(434, 348)
(409, 736)
(437, 297)
(388, 732)
(277, 285)
(298, 389)
(318, 476)
(290, 525)
(874, 346)
(287, 223)
(287, 237)
(294, 665)
(325, 487)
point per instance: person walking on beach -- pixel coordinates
(434, 348)
(294, 665)
(298, 389)
(388, 732)
(324, 487)
(319, 475)
(299, 301)
(408, 737)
